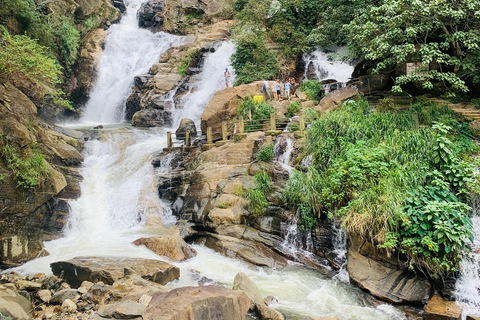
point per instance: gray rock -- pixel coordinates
(123, 310)
(13, 310)
(186, 124)
(110, 269)
(150, 15)
(62, 295)
(28, 285)
(151, 118)
(68, 306)
(44, 295)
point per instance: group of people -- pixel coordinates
(280, 90)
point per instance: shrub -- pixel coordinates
(68, 41)
(265, 153)
(256, 196)
(293, 107)
(311, 88)
(259, 110)
(22, 55)
(311, 115)
(29, 171)
(386, 105)
(374, 170)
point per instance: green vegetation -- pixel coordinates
(256, 196)
(311, 88)
(182, 69)
(20, 55)
(402, 188)
(258, 110)
(293, 107)
(222, 206)
(29, 171)
(252, 60)
(265, 153)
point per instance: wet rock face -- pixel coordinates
(150, 15)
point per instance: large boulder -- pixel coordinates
(174, 248)
(384, 278)
(14, 305)
(198, 303)
(223, 105)
(122, 310)
(374, 82)
(186, 124)
(245, 284)
(250, 251)
(150, 15)
(110, 269)
(335, 99)
(151, 118)
(439, 309)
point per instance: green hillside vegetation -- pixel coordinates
(442, 36)
(400, 187)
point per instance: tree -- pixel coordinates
(441, 35)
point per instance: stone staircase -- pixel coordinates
(469, 114)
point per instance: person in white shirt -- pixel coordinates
(276, 90)
(227, 75)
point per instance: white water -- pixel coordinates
(210, 80)
(326, 66)
(129, 52)
(468, 285)
(283, 150)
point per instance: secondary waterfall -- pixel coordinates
(468, 285)
(129, 51)
(208, 82)
(322, 65)
(283, 150)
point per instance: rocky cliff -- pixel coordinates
(38, 172)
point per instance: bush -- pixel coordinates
(265, 153)
(311, 115)
(29, 171)
(256, 196)
(252, 61)
(374, 170)
(311, 88)
(20, 55)
(259, 110)
(293, 107)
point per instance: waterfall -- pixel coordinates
(283, 150)
(468, 285)
(340, 250)
(322, 65)
(129, 51)
(210, 80)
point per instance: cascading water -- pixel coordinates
(210, 80)
(129, 52)
(468, 285)
(283, 150)
(323, 65)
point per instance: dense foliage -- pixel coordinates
(400, 187)
(258, 110)
(27, 167)
(257, 201)
(442, 37)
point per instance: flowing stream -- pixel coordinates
(119, 201)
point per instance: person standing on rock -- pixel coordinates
(266, 87)
(293, 86)
(227, 75)
(286, 87)
(276, 90)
